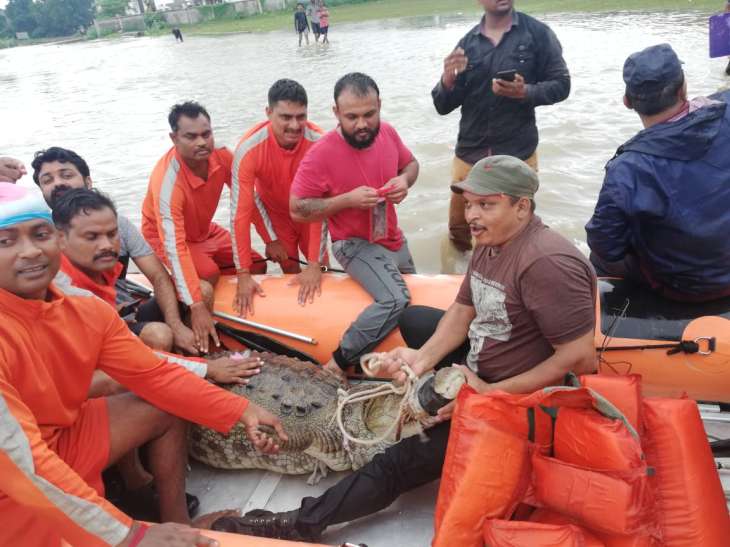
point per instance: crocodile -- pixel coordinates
(305, 397)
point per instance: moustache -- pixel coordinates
(107, 254)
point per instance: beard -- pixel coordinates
(58, 191)
(361, 144)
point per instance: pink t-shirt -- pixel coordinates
(333, 167)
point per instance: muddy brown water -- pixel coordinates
(108, 101)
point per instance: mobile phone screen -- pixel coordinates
(506, 75)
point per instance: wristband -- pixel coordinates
(138, 535)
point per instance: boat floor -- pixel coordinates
(408, 522)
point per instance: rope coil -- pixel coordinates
(371, 363)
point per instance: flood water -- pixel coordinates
(108, 100)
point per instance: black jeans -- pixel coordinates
(402, 467)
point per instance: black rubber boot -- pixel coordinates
(261, 523)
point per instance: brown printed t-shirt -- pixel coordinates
(538, 291)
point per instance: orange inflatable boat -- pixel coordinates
(323, 321)
(677, 348)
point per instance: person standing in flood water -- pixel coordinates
(324, 21)
(501, 69)
(301, 25)
(727, 10)
(313, 15)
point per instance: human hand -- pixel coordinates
(184, 338)
(245, 291)
(454, 64)
(472, 379)
(253, 417)
(11, 169)
(275, 251)
(362, 197)
(203, 326)
(444, 413)
(395, 359)
(511, 90)
(395, 190)
(170, 534)
(310, 283)
(229, 370)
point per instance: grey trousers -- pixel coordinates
(379, 271)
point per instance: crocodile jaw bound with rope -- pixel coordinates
(306, 399)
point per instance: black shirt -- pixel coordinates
(300, 21)
(492, 124)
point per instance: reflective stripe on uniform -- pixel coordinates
(87, 515)
(196, 367)
(168, 228)
(241, 150)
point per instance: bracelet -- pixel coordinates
(138, 535)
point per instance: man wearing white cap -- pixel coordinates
(55, 442)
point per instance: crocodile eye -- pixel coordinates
(275, 396)
(285, 409)
(316, 404)
(301, 410)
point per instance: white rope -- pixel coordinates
(370, 363)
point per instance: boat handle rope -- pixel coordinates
(324, 268)
(370, 363)
(683, 346)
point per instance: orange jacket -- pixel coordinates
(178, 208)
(48, 353)
(260, 163)
(107, 291)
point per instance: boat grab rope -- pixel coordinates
(322, 267)
(370, 363)
(683, 346)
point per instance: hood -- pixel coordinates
(686, 139)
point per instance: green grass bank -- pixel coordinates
(385, 9)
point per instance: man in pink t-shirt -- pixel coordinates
(354, 176)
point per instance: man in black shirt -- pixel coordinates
(498, 115)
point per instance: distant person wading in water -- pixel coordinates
(301, 25)
(313, 15)
(324, 21)
(727, 10)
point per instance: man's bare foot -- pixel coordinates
(204, 522)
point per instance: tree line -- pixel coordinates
(50, 18)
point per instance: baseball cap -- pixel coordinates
(499, 175)
(651, 69)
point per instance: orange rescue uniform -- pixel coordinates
(107, 290)
(177, 216)
(54, 442)
(263, 173)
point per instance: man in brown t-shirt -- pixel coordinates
(524, 317)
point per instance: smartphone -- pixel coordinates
(506, 75)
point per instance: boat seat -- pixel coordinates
(649, 316)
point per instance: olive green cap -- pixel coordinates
(499, 175)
